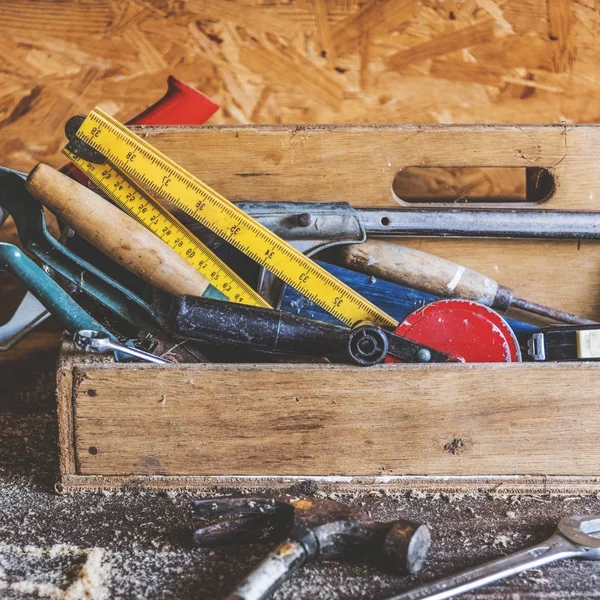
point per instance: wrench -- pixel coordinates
(571, 539)
(98, 342)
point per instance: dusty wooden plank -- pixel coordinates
(358, 163)
(498, 485)
(323, 420)
(64, 398)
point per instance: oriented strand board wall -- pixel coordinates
(296, 61)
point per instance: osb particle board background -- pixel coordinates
(296, 61)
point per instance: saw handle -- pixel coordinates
(116, 234)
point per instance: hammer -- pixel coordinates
(306, 529)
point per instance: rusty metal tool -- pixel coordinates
(306, 529)
(573, 539)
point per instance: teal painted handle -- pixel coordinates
(58, 302)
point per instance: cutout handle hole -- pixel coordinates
(473, 185)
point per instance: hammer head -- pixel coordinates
(327, 529)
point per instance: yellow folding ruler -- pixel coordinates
(137, 204)
(128, 156)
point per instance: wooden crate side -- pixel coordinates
(357, 164)
(254, 420)
(64, 398)
(497, 485)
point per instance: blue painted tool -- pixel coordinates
(396, 300)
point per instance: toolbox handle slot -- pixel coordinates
(451, 186)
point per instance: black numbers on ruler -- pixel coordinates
(130, 196)
(166, 231)
(106, 174)
(226, 287)
(142, 209)
(96, 131)
(130, 156)
(234, 229)
(178, 242)
(303, 278)
(166, 180)
(200, 205)
(214, 276)
(269, 254)
(337, 301)
(190, 253)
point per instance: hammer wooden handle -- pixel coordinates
(116, 234)
(418, 270)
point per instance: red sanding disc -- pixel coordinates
(465, 330)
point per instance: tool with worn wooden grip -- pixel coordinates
(354, 238)
(157, 219)
(435, 275)
(117, 235)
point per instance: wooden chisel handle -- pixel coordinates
(421, 271)
(116, 234)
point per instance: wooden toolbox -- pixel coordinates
(457, 426)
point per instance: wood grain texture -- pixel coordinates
(323, 420)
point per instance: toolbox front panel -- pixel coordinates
(324, 420)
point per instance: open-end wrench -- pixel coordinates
(98, 342)
(572, 539)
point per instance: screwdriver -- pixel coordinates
(429, 273)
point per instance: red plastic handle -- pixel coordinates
(181, 105)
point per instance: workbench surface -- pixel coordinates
(136, 544)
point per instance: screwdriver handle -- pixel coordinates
(420, 270)
(116, 234)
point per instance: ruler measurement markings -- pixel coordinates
(229, 222)
(160, 222)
